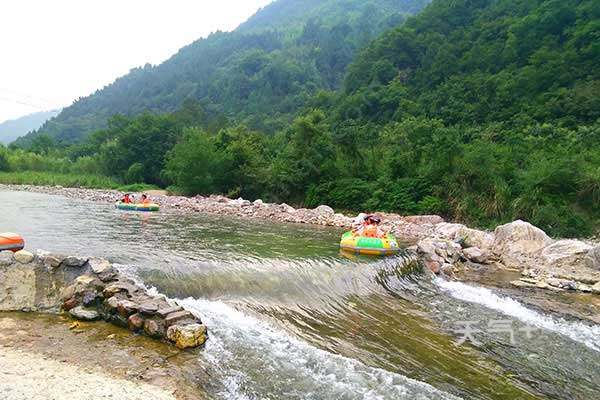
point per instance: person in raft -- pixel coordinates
(370, 227)
(145, 200)
(127, 199)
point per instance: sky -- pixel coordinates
(53, 52)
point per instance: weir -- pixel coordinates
(93, 289)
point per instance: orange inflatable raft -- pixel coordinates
(11, 241)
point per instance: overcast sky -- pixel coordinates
(52, 52)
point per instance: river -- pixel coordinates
(289, 317)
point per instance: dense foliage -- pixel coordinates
(480, 110)
(259, 75)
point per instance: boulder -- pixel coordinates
(23, 257)
(324, 211)
(475, 254)
(475, 238)
(564, 253)
(596, 288)
(517, 242)
(74, 262)
(84, 314)
(188, 336)
(447, 230)
(592, 259)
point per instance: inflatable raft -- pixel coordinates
(11, 241)
(137, 207)
(357, 244)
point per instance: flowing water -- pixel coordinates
(289, 317)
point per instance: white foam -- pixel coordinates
(577, 331)
(245, 349)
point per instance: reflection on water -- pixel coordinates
(289, 317)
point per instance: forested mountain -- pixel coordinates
(483, 111)
(260, 74)
(14, 128)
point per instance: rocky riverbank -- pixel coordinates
(92, 289)
(444, 247)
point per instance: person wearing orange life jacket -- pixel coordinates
(145, 200)
(126, 198)
(370, 227)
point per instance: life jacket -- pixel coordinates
(370, 231)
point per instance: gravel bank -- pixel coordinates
(25, 376)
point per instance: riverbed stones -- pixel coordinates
(84, 314)
(78, 290)
(596, 288)
(23, 257)
(186, 336)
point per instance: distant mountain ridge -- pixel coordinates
(267, 68)
(12, 129)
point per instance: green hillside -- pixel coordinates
(483, 111)
(257, 76)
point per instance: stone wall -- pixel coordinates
(92, 289)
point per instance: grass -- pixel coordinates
(38, 178)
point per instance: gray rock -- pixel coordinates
(74, 262)
(126, 308)
(84, 314)
(475, 238)
(564, 253)
(99, 265)
(517, 242)
(148, 308)
(324, 210)
(154, 328)
(178, 316)
(476, 255)
(163, 312)
(592, 259)
(596, 288)
(6, 258)
(23, 257)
